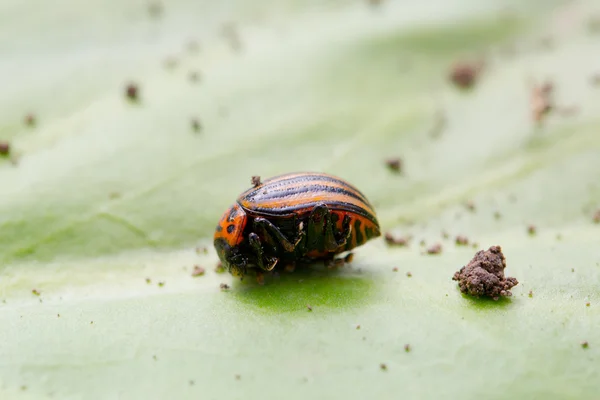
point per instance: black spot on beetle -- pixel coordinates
(219, 228)
(230, 228)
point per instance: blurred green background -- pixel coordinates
(107, 204)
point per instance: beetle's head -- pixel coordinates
(227, 240)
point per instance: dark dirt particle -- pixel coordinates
(238, 377)
(219, 269)
(407, 347)
(58, 315)
(462, 240)
(531, 293)
(395, 269)
(445, 235)
(585, 344)
(409, 274)
(255, 181)
(470, 205)
(154, 357)
(196, 125)
(132, 92)
(357, 327)
(224, 286)
(91, 322)
(497, 215)
(23, 387)
(201, 250)
(541, 101)
(192, 383)
(484, 276)
(114, 195)
(194, 76)
(36, 292)
(464, 74)
(230, 32)
(572, 269)
(532, 230)
(4, 148)
(198, 271)
(155, 9)
(587, 304)
(308, 307)
(596, 217)
(29, 120)
(161, 284)
(595, 79)
(434, 249)
(383, 367)
(392, 240)
(148, 281)
(394, 164)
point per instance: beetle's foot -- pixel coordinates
(346, 231)
(334, 263)
(349, 257)
(271, 262)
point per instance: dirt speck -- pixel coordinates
(464, 74)
(357, 327)
(255, 181)
(531, 293)
(462, 240)
(114, 195)
(198, 271)
(531, 230)
(585, 344)
(201, 250)
(541, 101)
(394, 164)
(395, 269)
(392, 240)
(148, 281)
(445, 235)
(497, 215)
(161, 284)
(155, 9)
(434, 248)
(132, 92)
(192, 383)
(308, 307)
(484, 276)
(219, 269)
(224, 286)
(383, 367)
(596, 217)
(587, 304)
(35, 292)
(595, 79)
(409, 274)
(30, 120)
(4, 148)
(407, 347)
(238, 377)
(194, 76)
(470, 205)
(196, 125)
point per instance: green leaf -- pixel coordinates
(104, 201)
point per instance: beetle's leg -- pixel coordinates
(254, 241)
(315, 228)
(273, 233)
(331, 242)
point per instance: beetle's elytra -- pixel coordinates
(299, 217)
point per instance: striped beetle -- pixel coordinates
(298, 217)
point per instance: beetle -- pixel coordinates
(291, 218)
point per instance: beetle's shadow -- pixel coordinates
(308, 286)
